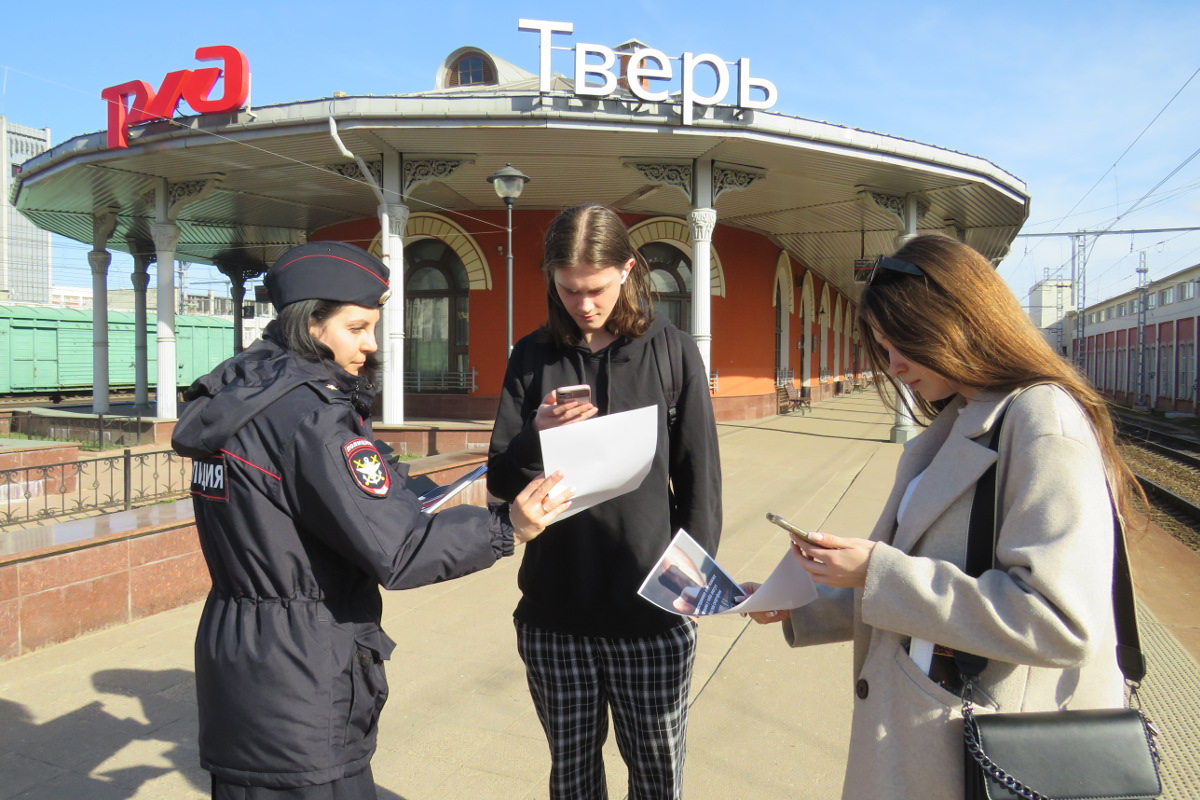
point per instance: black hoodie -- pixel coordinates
(301, 520)
(582, 575)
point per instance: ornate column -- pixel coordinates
(908, 219)
(166, 239)
(169, 200)
(391, 184)
(702, 222)
(140, 278)
(908, 209)
(99, 258)
(100, 261)
(394, 219)
(238, 274)
(702, 182)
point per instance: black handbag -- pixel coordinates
(1057, 755)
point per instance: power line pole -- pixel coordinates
(1059, 313)
(1079, 283)
(1079, 273)
(181, 268)
(1141, 402)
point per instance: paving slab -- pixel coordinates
(112, 714)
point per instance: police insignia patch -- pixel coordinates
(367, 467)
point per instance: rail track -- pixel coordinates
(1168, 468)
(9, 402)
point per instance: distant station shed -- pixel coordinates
(753, 221)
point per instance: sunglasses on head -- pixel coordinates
(889, 264)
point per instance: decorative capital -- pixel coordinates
(238, 274)
(422, 170)
(187, 192)
(723, 179)
(955, 230)
(398, 214)
(184, 192)
(99, 261)
(677, 175)
(166, 237)
(142, 252)
(103, 225)
(892, 203)
(350, 170)
(702, 222)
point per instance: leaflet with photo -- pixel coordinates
(687, 581)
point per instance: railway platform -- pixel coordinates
(112, 715)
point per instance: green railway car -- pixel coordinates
(201, 343)
(45, 350)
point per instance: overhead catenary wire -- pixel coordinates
(1108, 171)
(1125, 152)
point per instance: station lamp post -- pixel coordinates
(509, 182)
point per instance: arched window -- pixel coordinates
(435, 316)
(671, 281)
(472, 69)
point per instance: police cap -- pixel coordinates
(334, 271)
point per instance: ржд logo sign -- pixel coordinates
(134, 101)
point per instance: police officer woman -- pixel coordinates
(301, 520)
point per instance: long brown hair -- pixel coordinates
(962, 321)
(592, 236)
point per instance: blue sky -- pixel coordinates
(1053, 92)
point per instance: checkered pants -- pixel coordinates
(574, 680)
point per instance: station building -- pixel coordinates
(1139, 347)
(752, 220)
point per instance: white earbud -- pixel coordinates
(624, 275)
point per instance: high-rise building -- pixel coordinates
(25, 256)
(1049, 302)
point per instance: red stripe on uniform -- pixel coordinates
(339, 258)
(256, 466)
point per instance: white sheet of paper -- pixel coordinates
(602, 457)
(787, 587)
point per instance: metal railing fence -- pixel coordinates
(440, 381)
(100, 431)
(76, 487)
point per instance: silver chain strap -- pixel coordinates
(995, 771)
(975, 748)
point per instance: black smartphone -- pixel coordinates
(790, 528)
(573, 394)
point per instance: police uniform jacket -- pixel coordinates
(300, 521)
(1044, 618)
(582, 576)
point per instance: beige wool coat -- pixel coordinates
(1044, 619)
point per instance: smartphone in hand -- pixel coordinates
(790, 528)
(573, 394)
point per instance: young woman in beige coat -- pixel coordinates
(937, 319)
